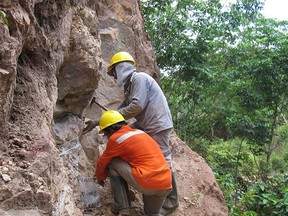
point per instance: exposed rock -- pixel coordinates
(6, 177)
(53, 58)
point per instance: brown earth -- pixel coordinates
(53, 57)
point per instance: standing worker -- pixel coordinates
(132, 157)
(144, 101)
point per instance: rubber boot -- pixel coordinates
(122, 204)
(171, 202)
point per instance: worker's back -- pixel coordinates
(144, 100)
(149, 167)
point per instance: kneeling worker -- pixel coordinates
(132, 156)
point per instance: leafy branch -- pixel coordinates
(4, 17)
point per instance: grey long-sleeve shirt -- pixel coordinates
(144, 100)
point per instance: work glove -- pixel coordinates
(101, 182)
(90, 125)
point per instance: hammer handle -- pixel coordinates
(104, 108)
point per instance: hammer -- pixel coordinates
(94, 101)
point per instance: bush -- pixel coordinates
(259, 198)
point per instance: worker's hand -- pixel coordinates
(133, 125)
(101, 182)
(90, 125)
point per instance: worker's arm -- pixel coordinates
(123, 104)
(139, 95)
(90, 125)
(101, 167)
(112, 150)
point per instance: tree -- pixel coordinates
(226, 77)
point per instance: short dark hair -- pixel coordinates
(114, 128)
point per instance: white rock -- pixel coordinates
(5, 169)
(6, 177)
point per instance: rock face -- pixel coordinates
(53, 57)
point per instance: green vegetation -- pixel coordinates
(226, 81)
(3, 15)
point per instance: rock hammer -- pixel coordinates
(94, 101)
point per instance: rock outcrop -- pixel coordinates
(53, 57)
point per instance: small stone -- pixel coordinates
(28, 137)
(186, 198)
(6, 177)
(5, 169)
(23, 165)
(22, 153)
(18, 142)
(4, 148)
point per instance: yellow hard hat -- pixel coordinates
(120, 57)
(109, 118)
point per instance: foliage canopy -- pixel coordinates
(225, 75)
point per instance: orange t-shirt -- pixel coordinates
(149, 167)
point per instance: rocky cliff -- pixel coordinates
(53, 57)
